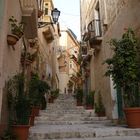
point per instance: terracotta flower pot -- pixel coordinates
(21, 131)
(35, 110)
(88, 107)
(12, 39)
(51, 100)
(132, 117)
(79, 103)
(31, 120)
(101, 114)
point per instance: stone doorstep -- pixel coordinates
(85, 133)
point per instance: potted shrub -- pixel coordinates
(19, 107)
(99, 107)
(124, 67)
(90, 100)
(16, 31)
(37, 90)
(53, 95)
(79, 96)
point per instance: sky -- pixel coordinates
(70, 14)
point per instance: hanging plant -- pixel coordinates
(16, 28)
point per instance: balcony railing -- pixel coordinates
(94, 29)
(28, 6)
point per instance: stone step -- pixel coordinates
(54, 106)
(63, 108)
(69, 118)
(71, 122)
(62, 112)
(104, 138)
(79, 131)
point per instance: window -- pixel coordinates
(97, 20)
(46, 9)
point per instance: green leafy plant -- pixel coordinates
(99, 107)
(79, 94)
(18, 102)
(124, 67)
(90, 98)
(29, 56)
(37, 89)
(16, 28)
(55, 93)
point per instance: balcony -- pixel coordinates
(28, 6)
(94, 29)
(29, 17)
(48, 34)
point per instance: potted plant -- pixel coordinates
(79, 96)
(90, 100)
(19, 108)
(16, 31)
(37, 90)
(53, 95)
(99, 107)
(124, 67)
(28, 57)
(33, 43)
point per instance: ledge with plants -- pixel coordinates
(124, 67)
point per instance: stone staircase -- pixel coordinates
(63, 120)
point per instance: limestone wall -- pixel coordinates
(9, 58)
(127, 16)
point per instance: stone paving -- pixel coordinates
(63, 120)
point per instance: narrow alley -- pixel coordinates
(69, 69)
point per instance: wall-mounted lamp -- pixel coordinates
(55, 15)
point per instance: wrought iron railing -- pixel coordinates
(94, 28)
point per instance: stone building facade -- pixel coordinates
(67, 59)
(102, 20)
(42, 42)
(10, 55)
(48, 35)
